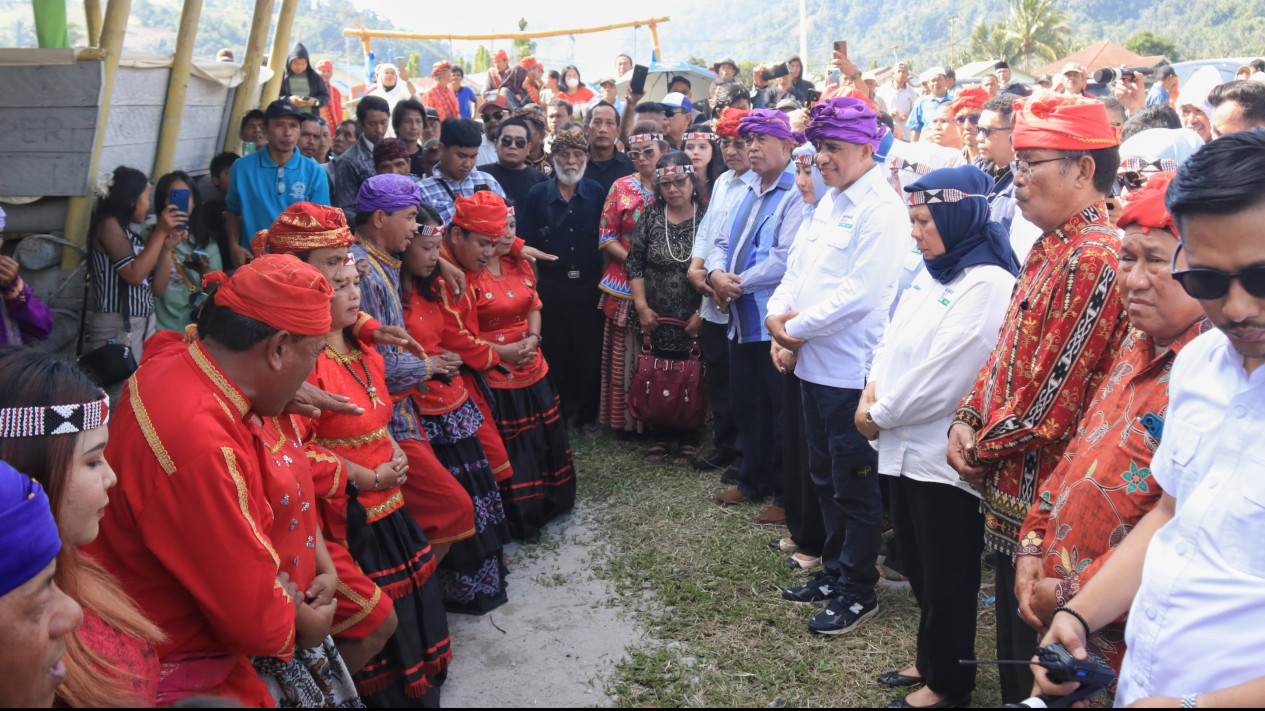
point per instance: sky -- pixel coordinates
(593, 53)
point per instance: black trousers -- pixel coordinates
(756, 388)
(714, 341)
(799, 496)
(940, 531)
(1015, 639)
(571, 332)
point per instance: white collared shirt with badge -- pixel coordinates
(1197, 622)
(844, 279)
(938, 339)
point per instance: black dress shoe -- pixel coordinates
(958, 703)
(896, 680)
(716, 459)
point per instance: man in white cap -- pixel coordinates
(927, 105)
(679, 112)
(1074, 80)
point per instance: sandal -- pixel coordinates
(685, 456)
(655, 454)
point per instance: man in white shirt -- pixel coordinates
(830, 309)
(1191, 574)
(900, 96)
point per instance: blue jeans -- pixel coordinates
(755, 391)
(844, 469)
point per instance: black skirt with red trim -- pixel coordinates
(535, 434)
(414, 663)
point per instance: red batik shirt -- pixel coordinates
(427, 322)
(502, 304)
(461, 322)
(1103, 486)
(1063, 328)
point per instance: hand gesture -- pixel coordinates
(698, 280)
(533, 255)
(8, 271)
(455, 277)
(1130, 91)
(962, 452)
(169, 220)
(321, 591)
(845, 65)
(1068, 631)
(311, 401)
(776, 323)
(728, 287)
(397, 336)
(239, 255)
(649, 319)
(445, 363)
(693, 325)
(291, 589)
(391, 473)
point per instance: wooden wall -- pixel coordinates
(48, 119)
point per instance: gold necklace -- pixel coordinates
(346, 361)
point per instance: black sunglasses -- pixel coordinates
(986, 132)
(669, 113)
(516, 141)
(1207, 284)
(494, 115)
(973, 118)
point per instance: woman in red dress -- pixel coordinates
(542, 486)
(110, 659)
(472, 576)
(395, 555)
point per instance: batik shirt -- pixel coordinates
(624, 204)
(1062, 330)
(1103, 486)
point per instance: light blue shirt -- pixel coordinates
(726, 192)
(259, 190)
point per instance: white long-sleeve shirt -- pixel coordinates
(1195, 625)
(844, 279)
(931, 352)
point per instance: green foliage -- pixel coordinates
(482, 59)
(523, 47)
(1148, 44)
(698, 61)
(990, 41)
(1038, 29)
(414, 60)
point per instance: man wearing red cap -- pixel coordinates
(1104, 485)
(1064, 325)
(192, 530)
(499, 72)
(967, 108)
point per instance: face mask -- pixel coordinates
(572, 83)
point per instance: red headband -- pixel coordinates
(484, 212)
(1145, 206)
(279, 290)
(1068, 123)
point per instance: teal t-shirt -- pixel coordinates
(172, 311)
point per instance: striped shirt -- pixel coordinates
(106, 280)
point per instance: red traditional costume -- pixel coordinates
(217, 501)
(440, 97)
(1064, 325)
(529, 417)
(1104, 487)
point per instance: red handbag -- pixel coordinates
(666, 391)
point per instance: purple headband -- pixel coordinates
(388, 192)
(846, 119)
(773, 123)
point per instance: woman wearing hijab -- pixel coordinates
(941, 334)
(514, 90)
(392, 87)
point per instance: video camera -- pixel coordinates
(1093, 675)
(1106, 75)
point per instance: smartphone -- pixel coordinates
(180, 198)
(841, 46)
(812, 96)
(401, 62)
(637, 84)
(777, 72)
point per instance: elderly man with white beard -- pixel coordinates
(561, 216)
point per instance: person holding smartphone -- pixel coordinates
(203, 252)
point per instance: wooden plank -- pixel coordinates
(203, 92)
(140, 87)
(139, 156)
(59, 86)
(194, 156)
(68, 129)
(45, 173)
(133, 124)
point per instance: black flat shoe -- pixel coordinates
(958, 703)
(896, 680)
(716, 459)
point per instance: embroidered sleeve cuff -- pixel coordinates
(1031, 544)
(969, 416)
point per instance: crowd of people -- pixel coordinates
(934, 328)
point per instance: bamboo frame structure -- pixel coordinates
(177, 88)
(366, 35)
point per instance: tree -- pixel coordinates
(991, 42)
(1148, 44)
(697, 61)
(414, 61)
(523, 47)
(1038, 28)
(482, 59)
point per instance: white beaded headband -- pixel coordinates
(38, 421)
(687, 169)
(644, 138)
(940, 196)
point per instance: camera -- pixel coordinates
(777, 72)
(1106, 75)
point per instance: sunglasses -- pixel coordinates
(515, 141)
(669, 113)
(733, 143)
(1207, 284)
(494, 115)
(635, 155)
(986, 132)
(673, 183)
(1133, 180)
(961, 120)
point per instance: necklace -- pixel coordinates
(667, 239)
(346, 361)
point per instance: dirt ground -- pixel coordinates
(555, 641)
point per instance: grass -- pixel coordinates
(702, 581)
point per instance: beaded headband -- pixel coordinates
(510, 212)
(430, 230)
(918, 168)
(699, 136)
(937, 197)
(1142, 165)
(54, 419)
(687, 169)
(806, 159)
(644, 138)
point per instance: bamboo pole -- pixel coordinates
(385, 34)
(92, 17)
(177, 88)
(280, 45)
(654, 35)
(246, 91)
(79, 208)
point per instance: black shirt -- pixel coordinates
(606, 172)
(566, 229)
(515, 183)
